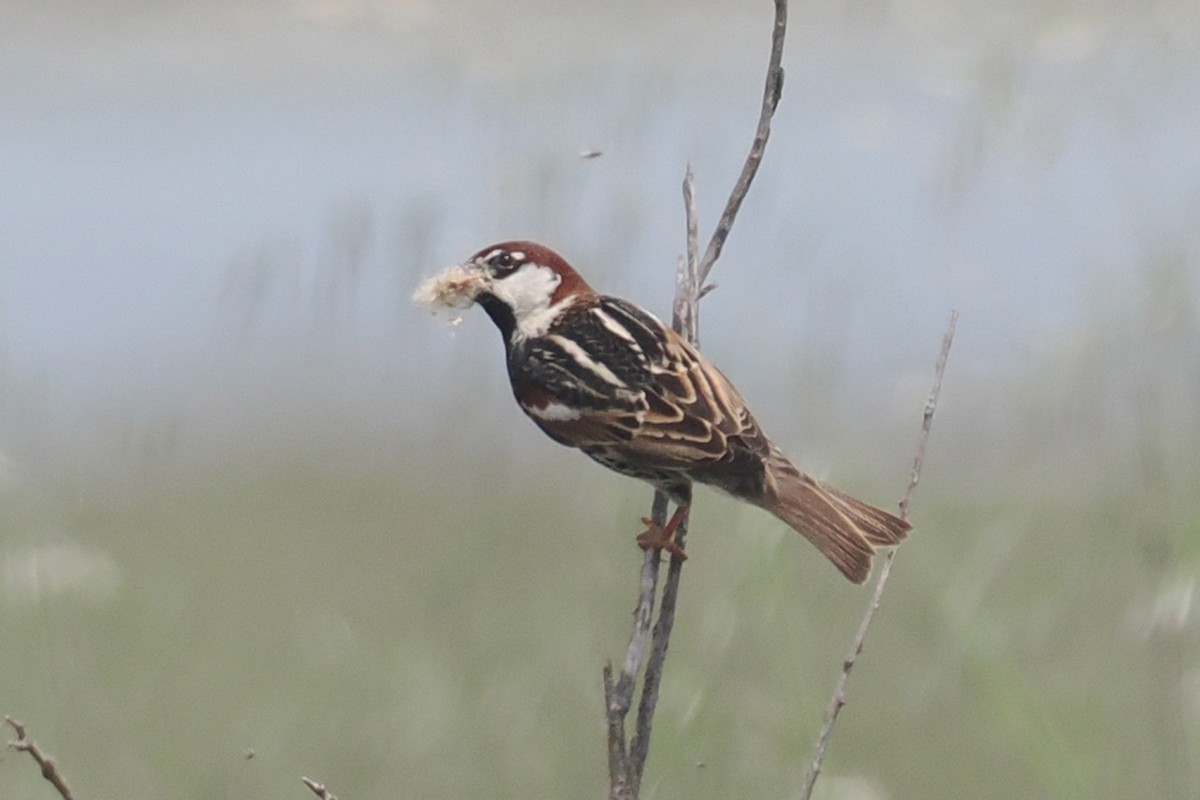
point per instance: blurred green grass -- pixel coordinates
(418, 603)
(434, 625)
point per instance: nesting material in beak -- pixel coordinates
(451, 290)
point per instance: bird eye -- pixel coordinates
(502, 264)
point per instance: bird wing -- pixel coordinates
(613, 378)
(695, 418)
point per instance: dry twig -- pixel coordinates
(838, 700)
(319, 789)
(49, 768)
(627, 762)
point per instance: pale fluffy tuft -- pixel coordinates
(451, 290)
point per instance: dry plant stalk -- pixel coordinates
(49, 768)
(627, 757)
(319, 789)
(838, 700)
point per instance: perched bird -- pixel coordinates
(602, 375)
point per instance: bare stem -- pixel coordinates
(935, 391)
(838, 700)
(49, 768)
(771, 94)
(623, 774)
(686, 309)
(319, 789)
(627, 763)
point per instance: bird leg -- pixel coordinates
(659, 537)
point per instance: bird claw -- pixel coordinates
(659, 537)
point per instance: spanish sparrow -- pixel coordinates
(602, 375)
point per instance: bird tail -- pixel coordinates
(845, 529)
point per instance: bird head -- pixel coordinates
(523, 287)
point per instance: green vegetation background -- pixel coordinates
(405, 613)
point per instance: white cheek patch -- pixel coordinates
(527, 292)
(528, 289)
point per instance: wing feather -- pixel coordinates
(695, 418)
(643, 394)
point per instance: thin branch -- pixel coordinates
(639, 749)
(838, 700)
(686, 322)
(46, 762)
(686, 308)
(618, 777)
(935, 391)
(618, 695)
(626, 765)
(319, 789)
(645, 607)
(771, 93)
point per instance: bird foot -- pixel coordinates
(660, 537)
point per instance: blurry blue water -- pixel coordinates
(156, 226)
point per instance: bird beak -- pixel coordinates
(474, 266)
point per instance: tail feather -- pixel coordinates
(844, 529)
(880, 527)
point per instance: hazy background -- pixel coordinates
(251, 501)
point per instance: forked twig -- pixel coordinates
(626, 763)
(685, 320)
(838, 700)
(49, 768)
